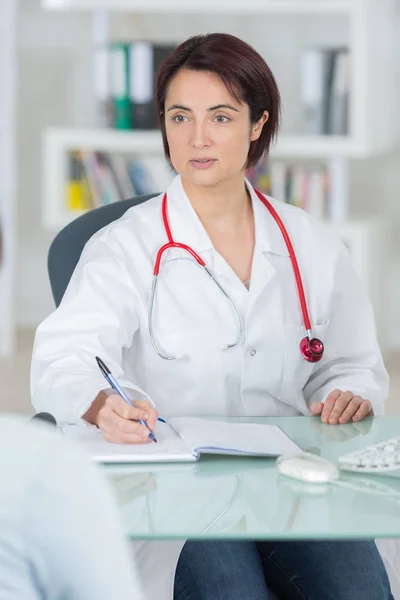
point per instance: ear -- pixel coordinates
(257, 127)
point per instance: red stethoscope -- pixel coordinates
(312, 349)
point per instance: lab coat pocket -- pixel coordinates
(192, 382)
(297, 369)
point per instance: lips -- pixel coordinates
(203, 159)
(202, 163)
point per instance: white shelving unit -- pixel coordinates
(370, 38)
(370, 43)
(8, 67)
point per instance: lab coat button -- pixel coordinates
(253, 352)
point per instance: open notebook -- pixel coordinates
(183, 439)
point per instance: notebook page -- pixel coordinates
(215, 437)
(169, 447)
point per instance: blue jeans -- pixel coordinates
(241, 570)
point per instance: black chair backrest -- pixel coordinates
(67, 246)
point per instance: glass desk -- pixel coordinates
(246, 498)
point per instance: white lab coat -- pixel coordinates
(105, 312)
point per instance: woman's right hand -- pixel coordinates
(119, 421)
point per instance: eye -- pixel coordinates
(222, 119)
(179, 118)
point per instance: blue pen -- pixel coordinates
(115, 385)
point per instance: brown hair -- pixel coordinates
(243, 71)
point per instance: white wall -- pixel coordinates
(55, 89)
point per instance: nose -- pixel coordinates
(200, 137)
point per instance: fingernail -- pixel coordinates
(146, 416)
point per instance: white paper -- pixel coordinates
(169, 447)
(216, 437)
(184, 439)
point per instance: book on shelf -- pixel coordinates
(324, 90)
(100, 178)
(124, 83)
(303, 185)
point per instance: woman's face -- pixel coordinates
(208, 131)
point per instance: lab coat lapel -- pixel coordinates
(269, 242)
(262, 271)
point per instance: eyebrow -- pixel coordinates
(181, 107)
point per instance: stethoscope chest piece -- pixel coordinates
(312, 349)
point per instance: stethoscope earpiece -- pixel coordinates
(312, 350)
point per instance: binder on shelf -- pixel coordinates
(75, 196)
(109, 189)
(140, 177)
(118, 165)
(339, 103)
(316, 70)
(142, 84)
(316, 196)
(146, 59)
(92, 176)
(120, 86)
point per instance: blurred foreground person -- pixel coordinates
(60, 535)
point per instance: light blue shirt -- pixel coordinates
(60, 534)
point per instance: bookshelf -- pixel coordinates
(368, 25)
(7, 174)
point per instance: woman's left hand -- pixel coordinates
(340, 407)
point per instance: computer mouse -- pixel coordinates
(307, 467)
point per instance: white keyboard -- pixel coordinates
(378, 458)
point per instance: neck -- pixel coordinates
(224, 205)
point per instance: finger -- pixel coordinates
(115, 426)
(151, 411)
(329, 404)
(340, 405)
(364, 410)
(120, 437)
(351, 409)
(119, 406)
(316, 408)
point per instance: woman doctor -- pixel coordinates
(229, 339)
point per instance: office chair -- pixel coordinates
(67, 246)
